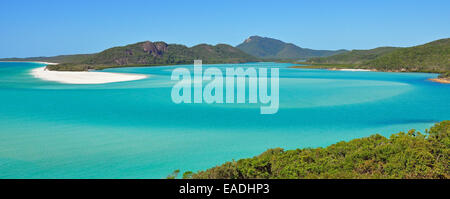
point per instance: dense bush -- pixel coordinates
(403, 155)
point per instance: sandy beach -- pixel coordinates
(84, 77)
(440, 80)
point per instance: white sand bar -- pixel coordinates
(84, 77)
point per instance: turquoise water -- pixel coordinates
(134, 130)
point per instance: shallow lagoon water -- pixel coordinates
(134, 130)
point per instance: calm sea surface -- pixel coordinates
(134, 130)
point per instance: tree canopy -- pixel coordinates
(405, 155)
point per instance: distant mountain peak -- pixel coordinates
(252, 38)
(265, 47)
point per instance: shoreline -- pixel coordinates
(437, 80)
(440, 80)
(336, 69)
(84, 77)
(352, 69)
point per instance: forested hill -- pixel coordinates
(158, 53)
(408, 155)
(150, 53)
(433, 57)
(264, 47)
(353, 57)
(430, 57)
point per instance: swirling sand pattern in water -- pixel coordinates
(134, 130)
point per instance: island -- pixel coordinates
(432, 57)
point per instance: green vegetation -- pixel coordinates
(353, 57)
(149, 54)
(402, 156)
(158, 53)
(173, 175)
(269, 48)
(445, 75)
(431, 57)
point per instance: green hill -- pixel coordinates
(147, 54)
(430, 57)
(158, 53)
(353, 57)
(269, 48)
(403, 155)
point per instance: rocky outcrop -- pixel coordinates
(156, 49)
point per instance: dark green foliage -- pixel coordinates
(430, 57)
(445, 75)
(173, 175)
(353, 57)
(402, 156)
(264, 47)
(70, 67)
(158, 53)
(187, 174)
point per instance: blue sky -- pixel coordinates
(54, 27)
